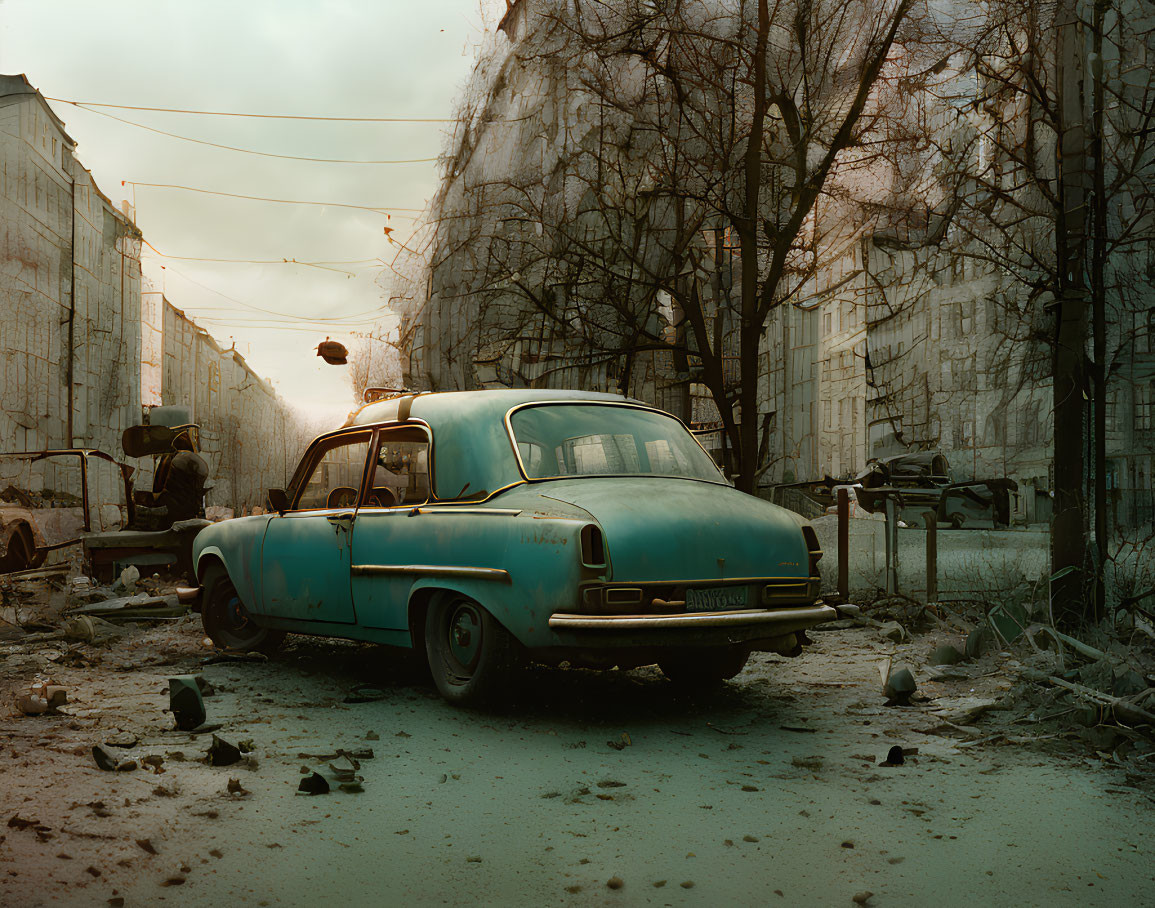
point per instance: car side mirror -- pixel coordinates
(278, 501)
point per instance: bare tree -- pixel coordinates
(669, 206)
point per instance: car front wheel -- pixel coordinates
(704, 667)
(228, 623)
(471, 656)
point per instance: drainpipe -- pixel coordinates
(68, 368)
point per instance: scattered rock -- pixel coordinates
(154, 762)
(848, 843)
(894, 757)
(473, 859)
(687, 884)
(354, 787)
(124, 740)
(749, 838)
(978, 642)
(222, 753)
(892, 630)
(899, 688)
(235, 787)
(658, 884)
(615, 882)
(861, 898)
(812, 763)
(316, 784)
(945, 655)
(146, 845)
(126, 766)
(372, 736)
(206, 687)
(176, 880)
(104, 760)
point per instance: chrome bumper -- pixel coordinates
(772, 621)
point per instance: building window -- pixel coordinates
(1145, 407)
(826, 319)
(1149, 334)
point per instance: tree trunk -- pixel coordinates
(1069, 523)
(750, 330)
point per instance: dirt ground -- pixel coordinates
(589, 789)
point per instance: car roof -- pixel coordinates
(473, 453)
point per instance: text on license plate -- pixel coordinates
(716, 598)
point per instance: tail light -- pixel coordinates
(813, 548)
(593, 547)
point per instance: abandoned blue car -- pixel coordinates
(487, 528)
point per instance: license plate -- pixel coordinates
(716, 599)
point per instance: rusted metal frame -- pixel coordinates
(931, 556)
(844, 545)
(83, 454)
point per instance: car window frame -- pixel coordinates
(604, 403)
(312, 457)
(378, 432)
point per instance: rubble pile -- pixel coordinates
(1056, 687)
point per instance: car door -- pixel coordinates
(391, 536)
(305, 556)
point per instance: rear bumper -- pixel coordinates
(746, 625)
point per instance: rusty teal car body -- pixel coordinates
(491, 527)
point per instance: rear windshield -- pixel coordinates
(557, 440)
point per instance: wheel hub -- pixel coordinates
(465, 637)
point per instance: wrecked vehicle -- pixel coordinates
(923, 482)
(36, 522)
(156, 538)
(490, 527)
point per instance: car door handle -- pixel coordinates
(340, 519)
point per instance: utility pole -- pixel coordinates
(1069, 383)
(1099, 307)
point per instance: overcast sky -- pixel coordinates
(375, 58)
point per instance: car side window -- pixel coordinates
(335, 480)
(400, 469)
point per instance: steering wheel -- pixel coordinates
(341, 497)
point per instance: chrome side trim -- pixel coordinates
(430, 570)
(777, 621)
(465, 509)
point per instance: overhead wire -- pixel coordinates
(380, 209)
(224, 113)
(336, 321)
(266, 154)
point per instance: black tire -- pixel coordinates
(472, 658)
(226, 620)
(704, 668)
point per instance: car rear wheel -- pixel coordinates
(704, 667)
(228, 623)
(471, 656)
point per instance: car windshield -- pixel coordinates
(557, 440)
